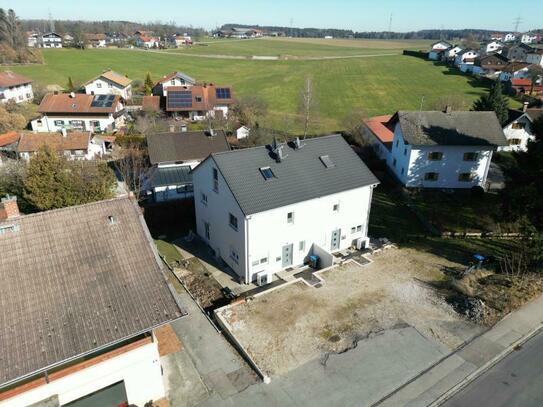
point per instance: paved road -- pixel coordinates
(515, 381)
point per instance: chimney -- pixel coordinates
(448, 109)
(525, 107)
(279, 156)
(72, 95)
(297, 143)
(9, 208)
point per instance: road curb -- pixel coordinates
(487, 366)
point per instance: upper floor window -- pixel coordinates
(518, 126)
(465, 177)
(431, 176)
(203, 198)
(98, 85)
(172, 82)
(335, 208)
(290, 217)
(215, 180)
(514, 142)
(435, 156)
(471, 156)
(233, 221)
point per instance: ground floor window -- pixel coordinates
(431, 176)
(465, 177)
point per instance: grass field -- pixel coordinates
(375, 85)
(300, 47)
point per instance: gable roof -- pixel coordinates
(177, 74)
(513, 67)
(202, 97)
(112, 76)
(79, 103)
(30, 142)
(8, 138)
(9, 78)
(74, 282)
(454, 129)
(185, 146)
(299, 177)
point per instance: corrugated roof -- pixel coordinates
(74, 281)
(185, 146)
(164, 176)
(8, 78)
(455, 128)
(301, 176)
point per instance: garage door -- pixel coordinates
(111, 396)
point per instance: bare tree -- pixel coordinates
(131, 163)
(308, 105)
(354, 126)
(249, 110)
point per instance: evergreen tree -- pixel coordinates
(494, 101)
(148, 85)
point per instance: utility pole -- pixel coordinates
(51, 23)
(291, 27)
(390, 23)
(516, 23)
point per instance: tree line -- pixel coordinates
(13, 42)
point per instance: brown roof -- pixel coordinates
(31, 142)
(206, 93)
(515, 66)
(8, 138)
(151, 103)
(378, 127)
(114, 77)
(75, 280)
(95, 37)
(8, 78)
(80, 103)
(185, 146)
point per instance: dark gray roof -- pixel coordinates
(455, 128)
(72, 281)
(164, 176)
(534, 113)
(185, 146)
(300, 176)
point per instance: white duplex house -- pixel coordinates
(15, 87)
(265, 209)
(443, 149)
(518, 128)
(110, 83)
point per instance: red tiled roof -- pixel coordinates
(8, 78)
(79, 103)
(377, 125)
(8, 138)
(72, 141)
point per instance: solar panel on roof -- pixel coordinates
(179, 99)
(223, 93)
(103, 101)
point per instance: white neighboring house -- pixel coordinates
(174, 156)
(15, 87)
(529, 38)
(438, 50)
(492, 46)
(72, 145)
(465, 57)
(509, 37)
(518, 130)
(535, 57)
(114, 355)
(266, 209)
(79, 112)
(451, 54)
(33, 39)
(443, 149)
(514, 70)
(175, 79)
(243, 132)
(51, 40)
(110, 83)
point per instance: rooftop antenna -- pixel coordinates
(517, 22)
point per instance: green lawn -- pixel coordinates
(376, 85)
(283, 47)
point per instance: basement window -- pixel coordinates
(267, 173)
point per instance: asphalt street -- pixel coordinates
(515, 381)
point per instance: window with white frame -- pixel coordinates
(290, 217)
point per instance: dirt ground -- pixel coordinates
(293, 325)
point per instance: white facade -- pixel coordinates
(139, 369)
(518, 133)
(492, 46)
(18, 94)
(453, 52)
(51, 40)
(267, 242)
(509, 37)
(175, 81)
(467, 57)
(457, 166)
(242, 132)
(103, 86)
(535, 58)
(528, 38)
(94, 124)
(441, 45)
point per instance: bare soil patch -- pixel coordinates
(201, 285)
(292, 325)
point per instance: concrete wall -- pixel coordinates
(19, 94)
(412, 164)
(139, 369)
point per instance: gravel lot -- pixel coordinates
(290, 326)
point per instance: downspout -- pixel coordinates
(372, 187)
(247, 281)
(487, 168)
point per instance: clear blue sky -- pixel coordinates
(361, 15)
